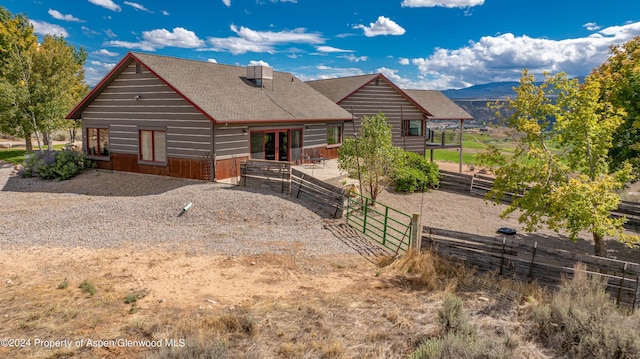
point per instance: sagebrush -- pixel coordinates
(58, 165)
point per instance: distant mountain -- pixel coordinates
(474, 99)
(490, 91)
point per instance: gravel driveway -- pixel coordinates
(102, 209)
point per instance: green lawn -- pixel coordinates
(477, 142)
(16, 155)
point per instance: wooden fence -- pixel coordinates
(526, 260)
(478, 185)
(283, 178)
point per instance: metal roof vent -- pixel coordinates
(259, 72)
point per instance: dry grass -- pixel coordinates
(322, 307)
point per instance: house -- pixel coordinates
(184, 118)
(441, 108)
(409, 112)
(367, 95)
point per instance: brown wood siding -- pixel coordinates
(158, 106)
(228, 168)
(177, 167)
(372, 99)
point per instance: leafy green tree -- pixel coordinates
(370, 156)
(39, 82)
(619, 78)
(17, 44)
(572, 190)
(57, 84)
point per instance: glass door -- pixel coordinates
(283, 146)
(270, 146)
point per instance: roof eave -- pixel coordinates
(296, 120)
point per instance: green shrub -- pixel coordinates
(451, 316)
(414, 173)
(460, 340)
(59, 165)
(583, 322)
(88, 287)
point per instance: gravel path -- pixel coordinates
(101, 209)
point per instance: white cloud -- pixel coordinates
(160, 38)
(327, 72)
(138, 6)
(227, 2)
(331, 49)
(107, 4)
(592, 26)
(353, 58)
(258, 63)
(212, 61)
(165, 13)
(249, 40)
(45, 28)
(87, 31)
(97, 70)
(383, 26)
(442, 3)
(502, 58)
(110, 33)
(105, 52)
(60, 16)
(403, 61)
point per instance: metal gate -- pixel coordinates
(382, 224)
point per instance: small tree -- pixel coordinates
(572, 190)
(370, 156)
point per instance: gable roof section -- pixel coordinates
(440, 106)
(224, 95)
(341, 88)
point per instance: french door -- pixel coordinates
(276, 145)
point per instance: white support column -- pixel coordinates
(461, 142)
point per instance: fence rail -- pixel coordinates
(387, 226)
(282, 177)
(523, 260)
(478, 185)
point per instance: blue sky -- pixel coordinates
(421, 44)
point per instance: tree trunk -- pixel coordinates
(45, 138)
(27, 143)
(600, 246)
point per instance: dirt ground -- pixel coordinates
(261, 306)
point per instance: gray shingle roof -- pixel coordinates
(337, 89)
(224, 94)
(440, 106)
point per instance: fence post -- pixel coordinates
(415, 241)
(533, 257)
(504, 242)
(300, 186)
(364, 221)
(384, 230)
(635, 297)
(624, 271)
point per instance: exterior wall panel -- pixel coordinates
(372, 99)
(157, 106)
